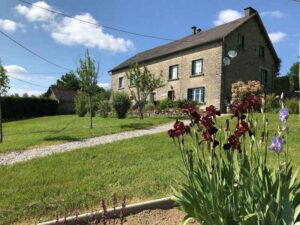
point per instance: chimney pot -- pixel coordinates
(194, 30)
(199, 30)
(249, 11)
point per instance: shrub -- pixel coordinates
(149, 106)
(104, 108)
(80, 104)
(121, 103)
(272, 103)
(184, 103)
(292, 105)
(18, 108)
(240, 90)
(166, 103)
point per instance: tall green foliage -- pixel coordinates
(68, 81)
(4, 86)
(293, 75)
(88, 74)
(231, 182)
(141, 84)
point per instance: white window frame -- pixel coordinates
(121, 85)
(197, 96)
(171, 72)
(194, 72)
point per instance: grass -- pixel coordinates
(142, 168)
(30, 133)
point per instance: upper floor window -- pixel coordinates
(121, 82)
(197, 67)
(241, 41)
(173, 72)
(196, 94)
(264, 76)
(261, 51)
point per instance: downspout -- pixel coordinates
(223, 70)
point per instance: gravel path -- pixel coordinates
(20, 156)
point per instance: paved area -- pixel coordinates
(20, 156)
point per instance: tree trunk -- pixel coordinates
(141, 112)
(91, 116)
(1, 131)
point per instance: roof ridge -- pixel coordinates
(184, 42)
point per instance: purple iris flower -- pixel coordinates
(283, 114)
(276, 145)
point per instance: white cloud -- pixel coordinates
(226, 16)
(21, 91)
(9, 25)
(276, 14)
(105, 85)
(17, 71)
(277, 36)
(33, 13)
(73, 32)
(70, 32)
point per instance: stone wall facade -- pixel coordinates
(247, 64)
(216, 78)
(210, 79)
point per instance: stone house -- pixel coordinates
(193, 67)
(65, 99)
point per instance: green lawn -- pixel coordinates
(142, 168)
(57, 129)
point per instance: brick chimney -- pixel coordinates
(194, 30)
(249, 11)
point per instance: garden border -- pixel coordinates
(162, 203)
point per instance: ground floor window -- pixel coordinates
(196, 94)
(171, 95)
(152, 97)
(264, 76)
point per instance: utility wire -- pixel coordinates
(95, 24)
(32, 52)
(27, 82)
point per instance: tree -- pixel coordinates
(68, 81)
(293, 75)
(88, 80)
(4, 86)
(141, 84)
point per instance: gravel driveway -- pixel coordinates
(20, 156)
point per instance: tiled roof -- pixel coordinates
(190, 41)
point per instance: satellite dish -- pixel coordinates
(226, 61)
(232, 54)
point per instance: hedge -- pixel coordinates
(281, 84)
(18, 108)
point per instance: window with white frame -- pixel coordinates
(197, 67)
(197, 94)
(121, 82)
(173, 72)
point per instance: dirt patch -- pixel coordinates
(157, 217)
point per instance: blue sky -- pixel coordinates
(63, 41)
